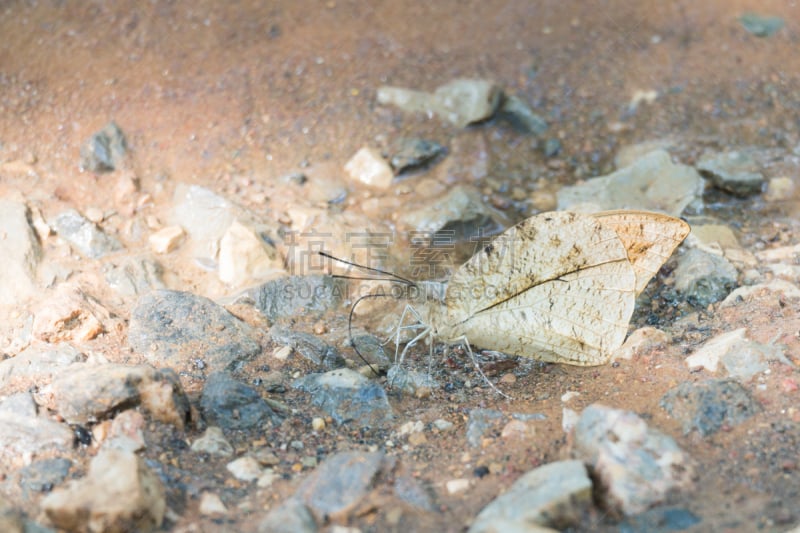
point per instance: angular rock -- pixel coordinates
(166, 239)
(244, 468)
(479, 422)
(211, 505)
(105, 150)
(703, 278)
(294, 295)
(347, 396)
(182, 330)
(230, 404)
(336, 486)
(69, 315)
(419, 384)
(126, 432)
(213, 442)
(555, 495)
(368, 167)
(119, 494)
(312, 348)
(205, 216)
(292, 516)
(134, 276)
(516, 111)
(636, 466)
(85, 392)
(245, 258)
(628, 154)
(45, 474)
(20, 250)
(38, 362)
(771, 288)
(653, 182)
(734, 172)
(660, 520)
(22, 434)
(84, 235)
(641, 341)
(410, 153)
(741, 357)
(708, 405)
(718, 239)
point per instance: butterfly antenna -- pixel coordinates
(350, 330)
(395, 277)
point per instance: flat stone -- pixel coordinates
(105, 150)
(22, 434)
(20, 250)
(245, 468)
(213, 442)
(708, 405)
(636, 467)
(45, 474)
(83, 392)
(230, 404)
(297, 295)
(38, 362)
(348, 397)
(718, 239)
(182, 330)
(134, 276)
(119, 493)
(84, 235)
(368, 167)
(741, 357)
(337, 485)
(411, 153)
(652, 182)
(292, 516)
(704, 278)
(734, 172)
(555, 495)
(516, 111)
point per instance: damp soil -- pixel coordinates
(233, 96)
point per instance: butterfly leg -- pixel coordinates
(465, 342)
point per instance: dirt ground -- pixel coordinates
(234, 95)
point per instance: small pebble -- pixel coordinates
(318, 424)
(245, 468)
(211, 504)
(454, 486)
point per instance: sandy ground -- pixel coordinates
(232, 96)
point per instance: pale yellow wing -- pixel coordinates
(649, 238)
(539, 249)
(580, 318)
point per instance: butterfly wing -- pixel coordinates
(649, 239)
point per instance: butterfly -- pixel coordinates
(557, 287)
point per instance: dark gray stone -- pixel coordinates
(290, 296)
(104, 150)
(521, 116)
(134, 276)
(44, 475)
(707, 405)
(340, 482)
(185, 331)
(411, 153)
(734, 172)
(347, 396)
(703, 278)
(84, 235)
(230, 404)
(371, 351)
(312, 348)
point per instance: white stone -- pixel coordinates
(641, 341)
(788, 289)
(213, 442)
(282, 353)
(245, 468)
(454, 486)
(370, 168)
(166, 239)
(709, 354)
(779, 189)
(244, 257)
(211, 505)
(20, 251)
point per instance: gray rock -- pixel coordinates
(636, 467)
(119, 493)
(84, 235)
(347, 396)
(653, 182)
(371, 350)
(707, 405)
(292, 516)
(230, 404)
(21, 404)
(134, 276)
(734, 172)
(759, 25)
(213, 442)
(458, 215)
(182, 330)
(290, 296)
(22, 433)
(39, 362)
(704, 278)
(44, 475)
(516, 111)
(105, 150)
(412, 492)
(660, 520)
(20, 250)
(337, 485)
(552, 147)
(419, 384)
(479, 422)
(312, 348)
(85, 392)
(554, 495)
(410, 153)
